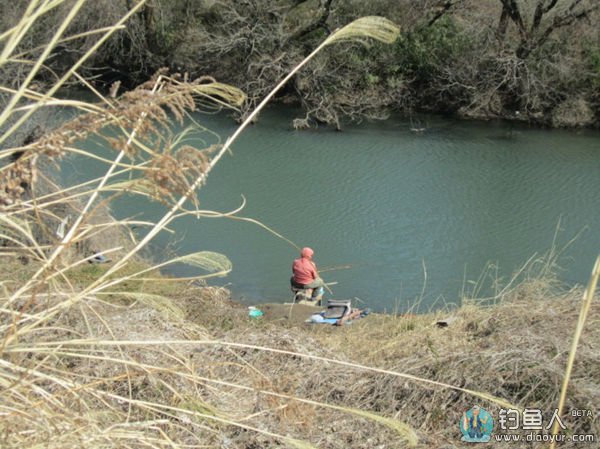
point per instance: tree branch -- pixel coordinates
(541, 9)
(511, 8)
(441, 9)
(566, 19)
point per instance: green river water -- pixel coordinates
(417, 216)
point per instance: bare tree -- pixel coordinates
(547, 17)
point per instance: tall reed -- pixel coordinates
(42, 394)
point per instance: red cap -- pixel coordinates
(307, 252)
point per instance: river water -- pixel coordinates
(417, 216)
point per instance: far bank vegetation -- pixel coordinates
(531, 60)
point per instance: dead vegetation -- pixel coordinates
(481, 59)
(130, 372)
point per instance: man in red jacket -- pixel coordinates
(306, 275)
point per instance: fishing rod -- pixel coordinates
(335, 267)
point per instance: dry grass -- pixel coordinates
(202, 381)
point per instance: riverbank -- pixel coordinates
(192, 361)
(488, 59)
